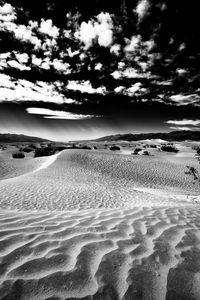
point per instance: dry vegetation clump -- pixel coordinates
(145, 152)
(49, 150)
(169, 148)
(193, 171)
(85, 147)
(32, 146)
(18, 154)
(136, 151)
(45, 151)
(27, 149)
(115, 148)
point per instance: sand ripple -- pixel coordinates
(141, 253)
(88, 226)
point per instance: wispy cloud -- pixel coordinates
(179, 128)
(180, 99)
(184, 122)
(56, 114)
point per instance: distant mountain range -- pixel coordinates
(20, 138)
(170, 136)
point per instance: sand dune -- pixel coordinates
(78, 179)
(140, 253)
(87, 225)
(10, 168)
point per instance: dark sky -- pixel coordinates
(68, 72)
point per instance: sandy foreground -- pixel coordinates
(90, 225)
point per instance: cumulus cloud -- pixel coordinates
(7, 13)
(84, 87)
(134, 88)
(128, 73)
(184, 122)
(133, 44)
(24, 90)
(100, 30)
(115, 49)
(17, 65)
(47, 28)
(24, 33)
(142, 8)
(56, 114)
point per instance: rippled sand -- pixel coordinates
(140, 253)
(90, 225)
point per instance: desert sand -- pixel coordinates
(95, 225)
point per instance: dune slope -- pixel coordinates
(80, 179)
(87, 225)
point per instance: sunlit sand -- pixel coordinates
(99, 225)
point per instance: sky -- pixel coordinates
(68, 72)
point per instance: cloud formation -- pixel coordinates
(180, 128)
(184, 122)
(142, 8)
(99, 29)
(109, 58)
(56, 114)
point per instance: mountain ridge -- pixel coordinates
(13, 138)
(179, 135)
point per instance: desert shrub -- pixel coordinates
(198, 150)
(27, 149)
(74, 146)
(61, 148)
(192, 172)
(115, 148)
(145, 153)
(45, 151)
(32, 146)
(169, 148)
(136, 150)
(18, 154)
(86, 147)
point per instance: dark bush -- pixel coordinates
(19, 154)
(136, 150)
(27, 149)
(198, 150)
(45, 151)
(169, 148)
(115, 148)
(61, 148)
(145, 152)
(32, 146)
(86, 147)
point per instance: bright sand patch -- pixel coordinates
(100, 226)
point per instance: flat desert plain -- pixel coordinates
(93, 224)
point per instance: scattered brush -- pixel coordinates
(169, 148)
(18, 154)
(115, 148)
